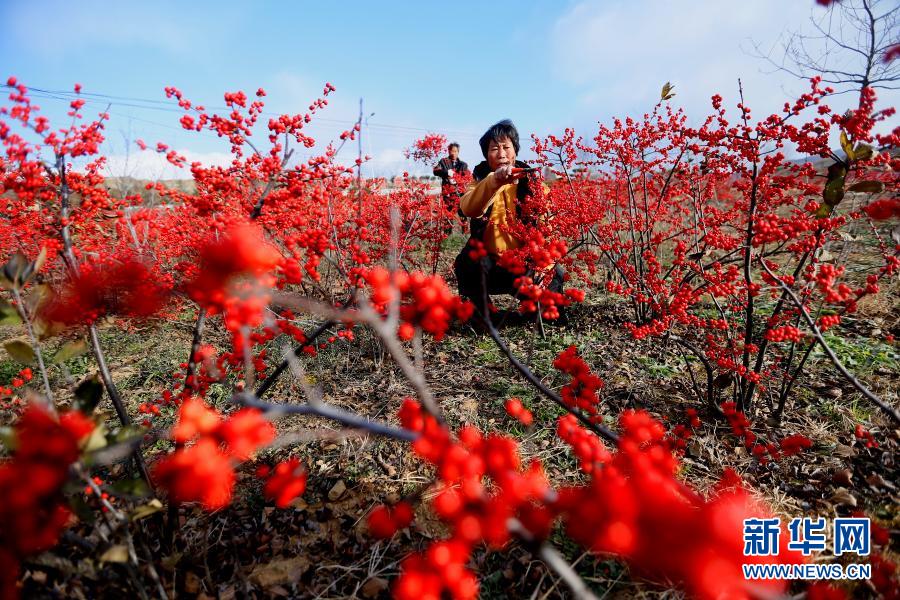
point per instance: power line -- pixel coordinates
(318, 124)
(165, 106)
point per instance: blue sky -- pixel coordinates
(453, 68)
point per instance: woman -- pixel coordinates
(493, 203)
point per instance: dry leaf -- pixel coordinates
(279, 572)
(374, 586)
(843, 477)
(337, 490)
(192, 583)
(843, 451)
(844, 497)
(117, 554)
(877, 481)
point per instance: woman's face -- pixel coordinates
(501, 153)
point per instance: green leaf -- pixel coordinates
(20, 352)
(130, 486)
(69, 350)
(96, 440)
(8, 437)
(8, 314)
(146, 510)
(863, 152)
(128, 433)
(869, 187)
(834, 188)
(15, 267)
(88, 394)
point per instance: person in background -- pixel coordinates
(492, 202)
(449, 169)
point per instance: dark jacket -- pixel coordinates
(442, 169)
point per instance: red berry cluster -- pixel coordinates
(826, 322)
(682, 432)
(285, 482)
(787, 333)
(761, 450)
(204, 472)
(426, 301)
(123, 286)
(865, 437)
(474, 512)
(427, 149)
(33, 510)
(478, 251)
(385, 521)
(794, 444)
(232, 264)
(883, 209)
(588, 448)
(518, 412)
(23, 377)
(534, 296)
(581, 391)
(634, 505)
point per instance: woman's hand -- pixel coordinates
(508, 174)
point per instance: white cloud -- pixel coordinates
(618, 54)
(153, 166)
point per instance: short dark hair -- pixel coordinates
(498, 131)
(452, 146)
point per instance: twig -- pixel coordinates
(710, 381)
(36, 346)
(329, 412)
(116, 400)
(600, 430)
(72, 265)
(195, 346)
(554, 560)
(269, 381)
(418, 350)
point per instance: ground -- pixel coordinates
(319, 547)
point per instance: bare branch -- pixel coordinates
(554, 560)
(329, 412)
